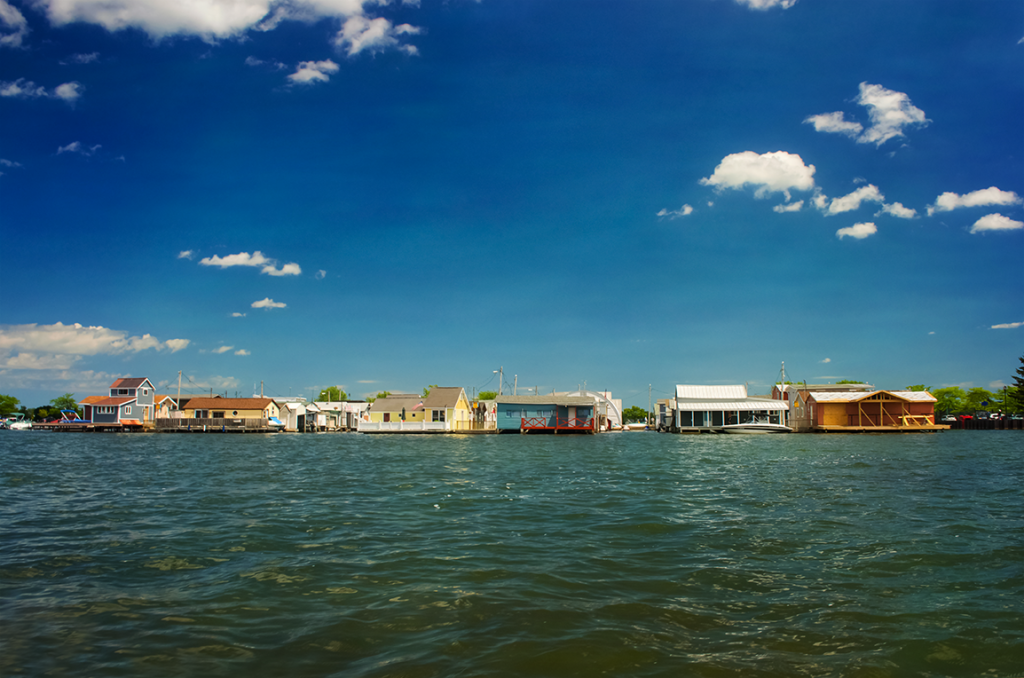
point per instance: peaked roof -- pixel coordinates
(229, 403)
(106, 401)
(129, 382)
(396, 403)
(857, 396)
(444, 396)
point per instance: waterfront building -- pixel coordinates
(547, 414)
(449, 406)
(707, 409)
(130, 402)
(875, 411)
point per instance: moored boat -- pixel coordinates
(756, 425)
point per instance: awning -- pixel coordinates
(733, 406)
(274, 421)
(131, 422)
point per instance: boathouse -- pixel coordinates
(706, 409)
(130, 402)
(875, 412)
(547, 414)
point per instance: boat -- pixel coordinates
(756, 425)
(16, 422)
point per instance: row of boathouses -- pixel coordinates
(133, 404)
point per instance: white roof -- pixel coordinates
(850, 397)
(747, 405)
(737, 392)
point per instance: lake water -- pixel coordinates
(628, 554)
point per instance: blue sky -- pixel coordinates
(386, 195)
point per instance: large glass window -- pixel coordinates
(686, 419)
(717, 418)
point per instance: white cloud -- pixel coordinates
(313, 71)
(186, 254)
(890, 113)
(79, 147)
(82, 58)
(852, 201)
(683, 211)
(222, 349)
(789, 207)
(834, 123)
(287, 269)
(987, 196)
(255, 260)
(996, 222)
(897, 209)
(268, 303)
(777, 172)
(213, 20)
(321, 274)
(766, 4)
(361, 33)
(236, 314)
(26, 89)
(69, 91)
(1008, 326)
(9, 163)
(13, 26)
(21, 89)
(58, 346)
(242, 351)
(858, 231)
(826, 360)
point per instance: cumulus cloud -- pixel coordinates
(69, 91)
(82, 58)
(789, 207)
(683, 211)
(777, 172)
(858, 231)
(58, 346)
(186, 254)
(360, 33)
(852, 201)
(254, 260)
(1008, 326)
(242, 351)
(321, 274)
(826, 360)
(766, 4)
(310, 72)
(897, 209)
(996, 222)
(222, 349)
(268, 303)
(236, 314)
(13, 26)
(890, 112)
(213, 20)
(987, 196)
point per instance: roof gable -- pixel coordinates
(444, 396)
(130, 382)
(229, 403)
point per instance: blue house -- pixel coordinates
(547, 414)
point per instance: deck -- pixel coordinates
(546, 425)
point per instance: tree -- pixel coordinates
(487, 395)
(919, 387)
(634, 414)
(380, 394)
(952, 399)
(428, 389)
(1015, 394)
(65, 402)
(976, 396)
(850, 381)
(332, 394)
(8, 405)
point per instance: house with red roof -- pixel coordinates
(130, 403)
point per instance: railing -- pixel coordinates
(212, 425)
(571, 424)
(400, 426)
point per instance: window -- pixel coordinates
(218, 415)
(145, 391)
(122, 391)
(127, 409)
(438, 415)
(234, 413)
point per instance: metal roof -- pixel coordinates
(564, 401)
(746, 405)
(693, 392)
(847, 397)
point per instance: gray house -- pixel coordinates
(131, 402)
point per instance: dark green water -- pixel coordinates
(631, 554)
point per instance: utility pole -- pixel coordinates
(515, 386)
(177, 403)
(650, 409)
(501, 377)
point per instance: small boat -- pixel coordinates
(756, 425)
(16, 422)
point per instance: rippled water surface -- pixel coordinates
(632, 554)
